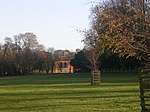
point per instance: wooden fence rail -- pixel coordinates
(145, 89)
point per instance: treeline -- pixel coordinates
(22, 54)
(107, 62)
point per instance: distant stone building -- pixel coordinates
(62, 65)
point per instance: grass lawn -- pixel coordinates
(119, 92)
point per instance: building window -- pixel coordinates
(65, 65)
(60, 65)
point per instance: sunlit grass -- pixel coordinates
(70, 93)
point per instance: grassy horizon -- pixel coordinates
(118, 92)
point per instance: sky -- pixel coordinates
(54, 22)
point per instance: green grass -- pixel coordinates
(119, 92)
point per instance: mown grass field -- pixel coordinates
(119, 92)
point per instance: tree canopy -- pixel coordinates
(122, 26)
(21, 54)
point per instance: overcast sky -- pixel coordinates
(54, 22)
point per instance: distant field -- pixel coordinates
(119, 92)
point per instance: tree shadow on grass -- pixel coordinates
(62, 104)
(42, 96)
(45, 95)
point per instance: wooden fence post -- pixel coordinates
(144, 80)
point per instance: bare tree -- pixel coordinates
(50, 59)
(29, 45)
(93, 51)
(94, 48)
(7, 57)
(18, 50)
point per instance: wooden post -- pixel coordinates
(95, 79)
(141, 92)
(144, 80)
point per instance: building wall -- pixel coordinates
(63, 67)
